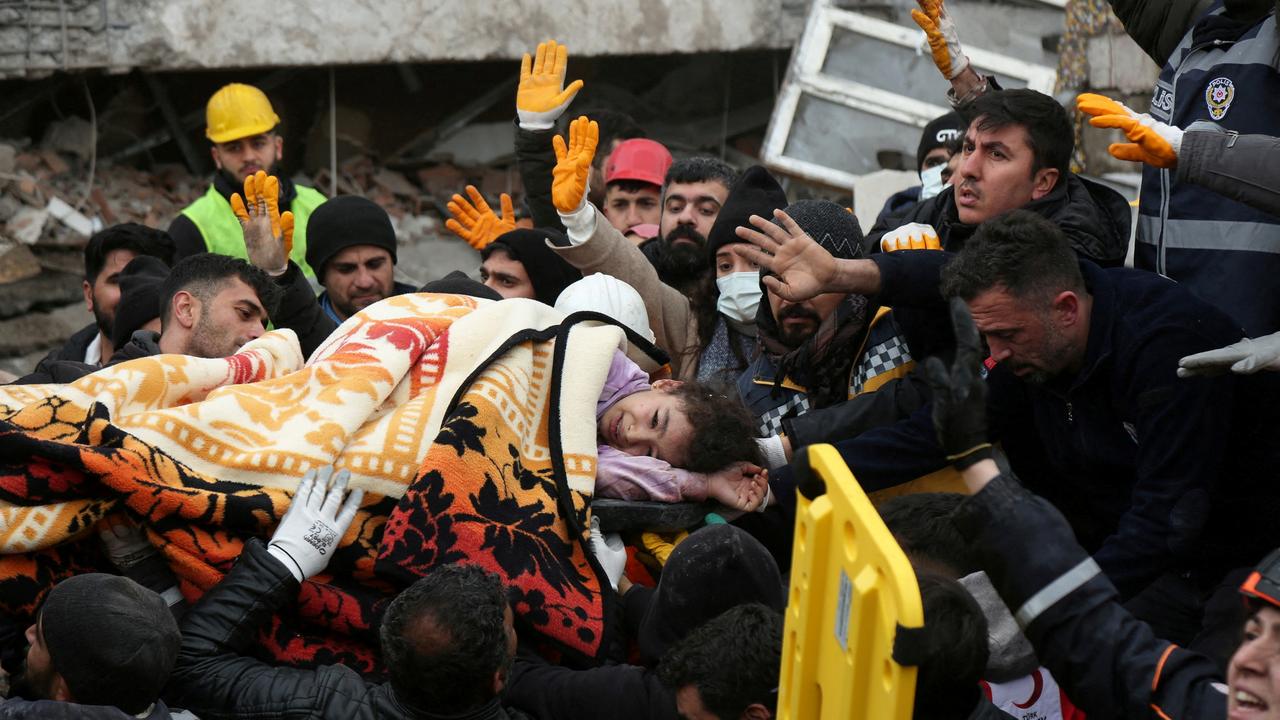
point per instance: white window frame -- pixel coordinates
(805, 76)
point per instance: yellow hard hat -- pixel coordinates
(238, 111)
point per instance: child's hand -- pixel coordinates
(740, 486)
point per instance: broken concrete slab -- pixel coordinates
(17, 262)
(194, 34)
(27, 225)
(48, 289)
(38, 331)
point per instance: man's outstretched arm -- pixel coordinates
(213, 677)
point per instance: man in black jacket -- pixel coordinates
(211, 305)
(106, 255)
(1017, 154)
(447, 640)
(1165, 480)
(1110, 663)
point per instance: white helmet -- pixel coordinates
(610, 296)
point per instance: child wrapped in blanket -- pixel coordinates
(664, 440)
(673, 442)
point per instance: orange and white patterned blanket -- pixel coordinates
(470, 425)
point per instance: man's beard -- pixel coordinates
(684, 261)
(1056, 345)
(208, 341)
(794, 338)
(231, 179)
(104, 322)
(30, 685)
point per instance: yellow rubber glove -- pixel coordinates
(476, 222)
(542, 97)
(1153, 142)
(573, 164)
(912, 236)
(260, 212)
(944, 41)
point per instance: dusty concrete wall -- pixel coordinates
(195, 34)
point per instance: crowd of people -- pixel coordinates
(1107, 429)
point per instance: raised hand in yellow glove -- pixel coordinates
(912, 236)
(944, 42)
(573, 164)
(1153, 142)
(542, 97)
(268, 234)
(476, 222)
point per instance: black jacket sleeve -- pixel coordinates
(215, 679)
(187, 239)
(1158, 25)
(895, 400)
(300, 311)
(1244, 168)
(621, 692)
(536, 158)
(1109, 663)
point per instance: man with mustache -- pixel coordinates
(819, 354)
(1016, 154)
(242, 127)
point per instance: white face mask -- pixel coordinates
(739, 296)
(931, 181)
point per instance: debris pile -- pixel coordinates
(54, 196)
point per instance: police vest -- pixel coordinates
(213, 216)
(1223, 251)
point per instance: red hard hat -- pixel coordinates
(638, 159)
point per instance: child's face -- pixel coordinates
(650, 422)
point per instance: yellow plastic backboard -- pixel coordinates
(851, 586)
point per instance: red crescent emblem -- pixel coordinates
(1038, 679)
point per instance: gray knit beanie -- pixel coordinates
(833, 227)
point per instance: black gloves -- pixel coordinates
(960, 394)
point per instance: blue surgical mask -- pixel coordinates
(739, 296)
(931, 181)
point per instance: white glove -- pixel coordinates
(314, 524)
(912, 236)
(609, 552)
(126, 544)
(775, 456)
(1244, 357)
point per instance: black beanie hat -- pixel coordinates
(113, 641)
(755, 193)
(457, 283)
(833, 227)
(344, 221)
(939, 133)
(549, 273)
(139, 304)
(716, 568)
